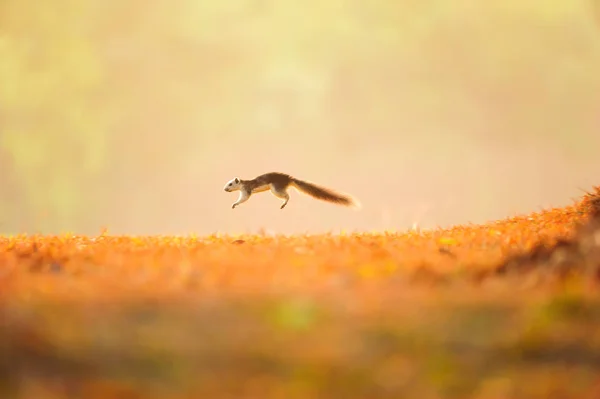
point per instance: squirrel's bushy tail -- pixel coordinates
(325, 194)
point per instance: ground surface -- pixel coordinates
(505, 310)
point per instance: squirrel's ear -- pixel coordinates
(237, 180)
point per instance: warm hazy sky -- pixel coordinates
(429, 112)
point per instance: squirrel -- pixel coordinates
(279, 183)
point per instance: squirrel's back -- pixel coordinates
(278, 180)
(281, 181)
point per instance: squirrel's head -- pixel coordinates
(233, 184)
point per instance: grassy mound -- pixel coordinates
(505, 309)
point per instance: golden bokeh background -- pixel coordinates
(133, 115)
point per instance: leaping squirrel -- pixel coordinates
(279, 183)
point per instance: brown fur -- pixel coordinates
(323, 193)
(281, 182)
(277, 180)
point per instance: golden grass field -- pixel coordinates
(509, 309)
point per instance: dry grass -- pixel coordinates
(503, 310)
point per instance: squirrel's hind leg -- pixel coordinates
(281, 193)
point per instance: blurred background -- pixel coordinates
(132, 116)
